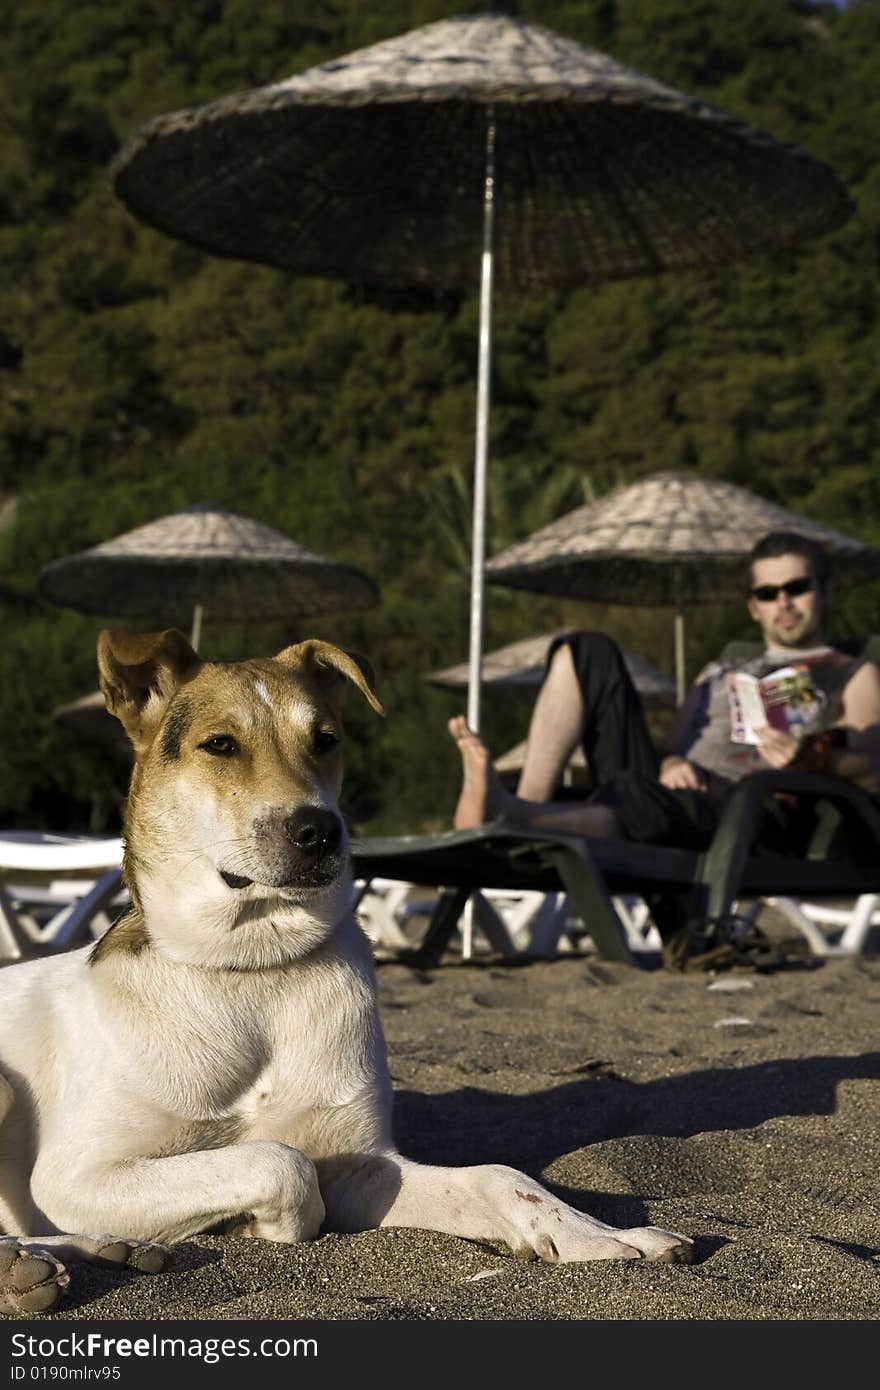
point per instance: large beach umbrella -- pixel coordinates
(520, 665)
(204, 564)
(670, 539)
(389, 164)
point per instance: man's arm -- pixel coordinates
(676, 770)
(859, 761)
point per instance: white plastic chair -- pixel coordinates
(850, 922)
(383, 906)
(56, 890)
(514, 922)
(552, 927)
(379, 906)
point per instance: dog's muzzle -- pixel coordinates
(301, 849)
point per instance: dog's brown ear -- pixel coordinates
(333, 662)
(139, 673)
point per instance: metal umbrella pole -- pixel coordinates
(481, 474)
(678, 598)
(481, 448)
(680, 681)
(195, 632)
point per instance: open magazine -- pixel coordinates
(786, 699)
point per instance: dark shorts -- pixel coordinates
(657, 815)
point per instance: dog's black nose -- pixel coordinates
(314, 831)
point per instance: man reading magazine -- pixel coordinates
(814, 707)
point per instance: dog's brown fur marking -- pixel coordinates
(176, 725)
(128, 936)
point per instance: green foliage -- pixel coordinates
(138, 376)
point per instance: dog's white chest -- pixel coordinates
(211, 1058)
(263, 1058)
(292, 1085)
(270, 1105)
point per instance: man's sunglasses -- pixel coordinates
(766, 593)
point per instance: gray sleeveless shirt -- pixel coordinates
(711, 746)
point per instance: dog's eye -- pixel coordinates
(221, 745)
(325, 740)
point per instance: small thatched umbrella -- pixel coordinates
(521, 664)
(388, 165)
(670, 539)
(204, 563)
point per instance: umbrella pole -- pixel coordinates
(680, 684)
(678, 600)
(481, 451)
(679, 657)
(195, 635)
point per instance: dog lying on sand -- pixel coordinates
(216, 1059)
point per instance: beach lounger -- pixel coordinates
(462, 862)
(841, 859)
(56, 890)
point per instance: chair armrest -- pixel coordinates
(721, 867)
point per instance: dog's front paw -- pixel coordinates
(653, 1243)
(585, 1239)
(142, 1255)
(294, 1209)
(299, 1222)
(31, 1279)
(537, 1225)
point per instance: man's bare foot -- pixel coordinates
(482, 797)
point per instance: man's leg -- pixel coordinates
(484, 798)
(630, 805)
(587, 698)
(556, 728)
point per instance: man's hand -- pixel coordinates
(678, 772)
(776, 748)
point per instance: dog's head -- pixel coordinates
(236, 852)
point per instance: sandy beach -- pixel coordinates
(741, 1109)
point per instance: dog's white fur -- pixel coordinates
(217, 1057)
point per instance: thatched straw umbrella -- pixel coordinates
(204, 564)
(521, 664)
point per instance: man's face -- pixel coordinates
(786, 620)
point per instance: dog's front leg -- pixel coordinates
(490, 1203)
(169, 1199)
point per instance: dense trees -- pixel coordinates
(138, 376)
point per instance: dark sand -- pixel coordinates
(747, 1118)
